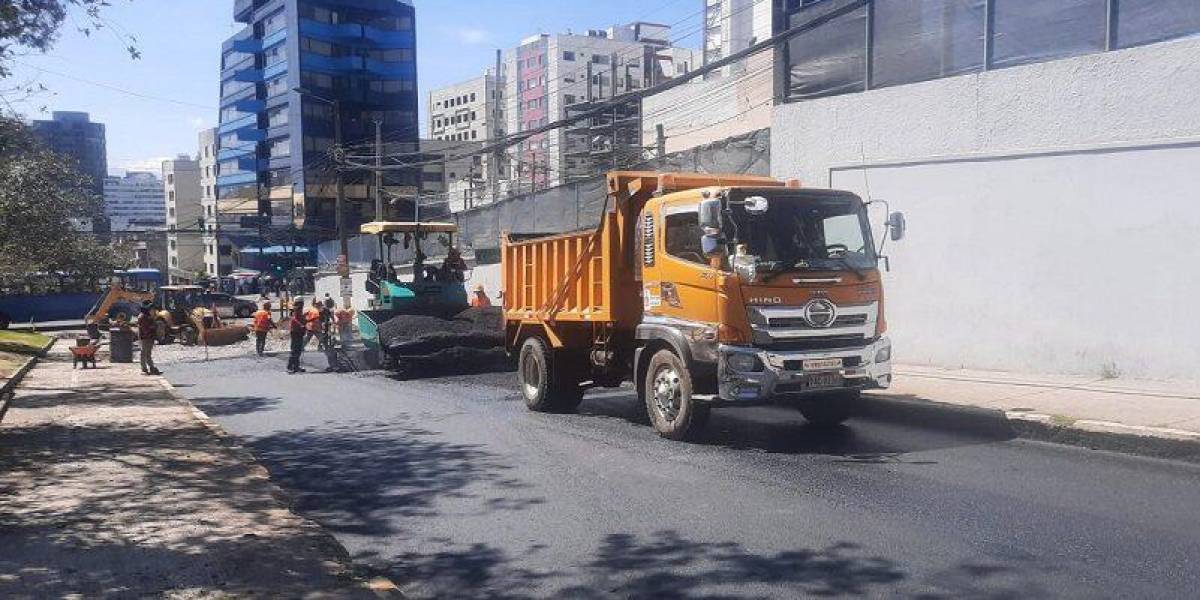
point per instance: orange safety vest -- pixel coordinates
(262, 321)
(312, 319)
(480, 301)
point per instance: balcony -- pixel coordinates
(391, 39)
(274, 38)
(235, 152)
(328, 32)
(275, 70)
(250, 75)
(404, 70)
(247, 45)
(239, 123)
(237, 179)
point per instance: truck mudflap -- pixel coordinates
(749, 375)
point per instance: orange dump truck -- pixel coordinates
(704, 291)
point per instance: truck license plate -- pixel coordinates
(822, 381)
(821, 364)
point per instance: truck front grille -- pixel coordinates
(777, 326)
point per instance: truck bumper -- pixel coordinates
(785, 372)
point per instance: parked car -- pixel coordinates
(229, 306)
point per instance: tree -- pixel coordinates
(34, 25)
(40, 194)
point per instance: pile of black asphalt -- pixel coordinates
(428, 346)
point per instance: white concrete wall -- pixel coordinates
(1050, 206)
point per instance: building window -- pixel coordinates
(312, 79)
(278, 116)
(170, 178)
(280, 148)
(568, 55)
(277, 86)
(392, 55)
(1028, 32)
(1148, 21)
(472, 96)
(316, 46)
(918, 41)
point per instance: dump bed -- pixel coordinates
(558, 278)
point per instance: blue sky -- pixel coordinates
(180, 43)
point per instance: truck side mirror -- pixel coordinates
(711, 244)
(896, 226)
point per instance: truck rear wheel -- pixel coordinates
(673, 412)
(831, 409)
(546, 389)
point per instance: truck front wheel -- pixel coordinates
(673, 412)
(545, 389)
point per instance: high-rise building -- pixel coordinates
(551, 76)
(464, 115)
(134, 203)
(185, 216)
(218, 254)
(730, 101)
(732, 26)
(295, 65)
(75, 135)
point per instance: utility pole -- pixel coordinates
(340, 204)
(497, 156)
(661, 142)
(378, 171)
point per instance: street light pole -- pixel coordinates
(340, 203)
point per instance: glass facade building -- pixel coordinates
(275, 143)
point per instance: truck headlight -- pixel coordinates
(884, 354)
(744, 363)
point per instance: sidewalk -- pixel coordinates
(1156, 410)
(112, 486)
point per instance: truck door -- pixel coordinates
(679, 285)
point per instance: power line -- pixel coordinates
(115, 88)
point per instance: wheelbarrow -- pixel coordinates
(84, 354)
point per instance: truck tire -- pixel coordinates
(829, 410)
(674, 414)
(544, 388)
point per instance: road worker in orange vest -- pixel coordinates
(262, 324)
(312, 323)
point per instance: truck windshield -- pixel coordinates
(806, 231)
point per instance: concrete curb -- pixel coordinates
(380, 586)
(1153, 442)
(6, 390)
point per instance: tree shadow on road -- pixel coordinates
(671, 565)
(225, 406)
(665, 564)
(360, 477)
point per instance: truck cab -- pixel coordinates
(766, 290)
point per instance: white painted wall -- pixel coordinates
(1051, 208)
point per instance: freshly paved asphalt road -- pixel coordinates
(451, 488)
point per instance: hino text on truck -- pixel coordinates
(704, 291)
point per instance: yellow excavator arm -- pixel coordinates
(115, 294)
